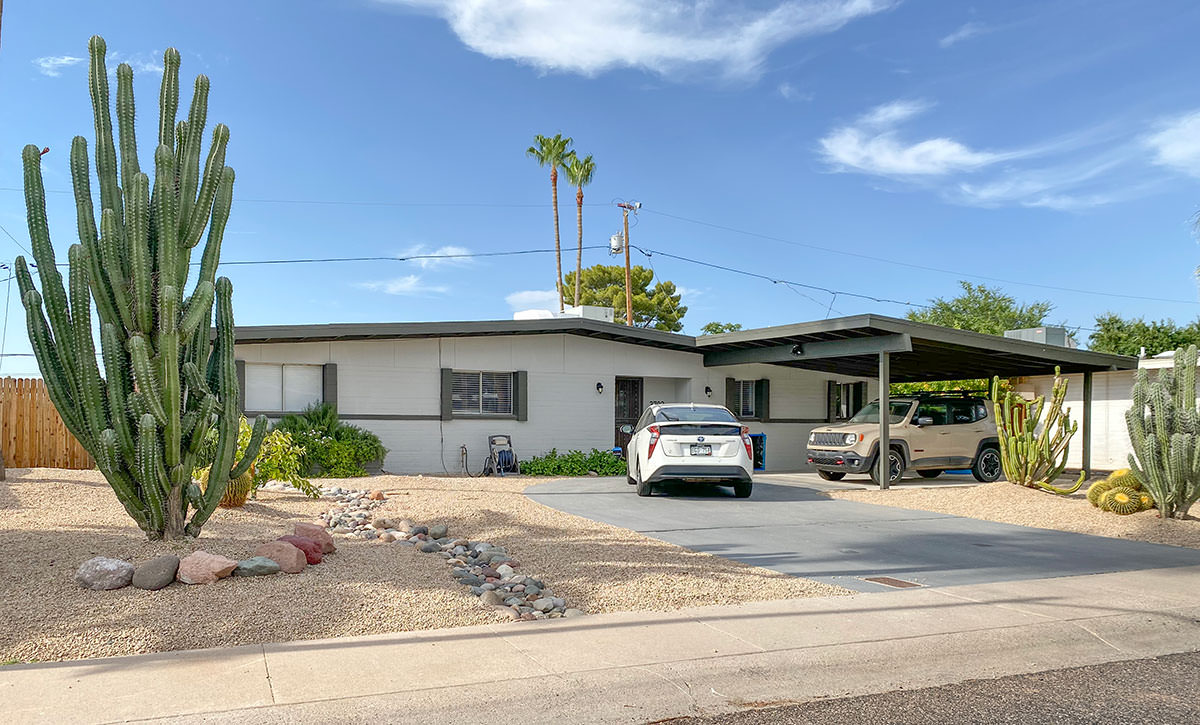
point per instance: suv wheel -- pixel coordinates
(831, 475)
(895, 467)
(987, 466)
(743, 489)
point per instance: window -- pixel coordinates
(845, 399)
(482, 393)
(272, 388)
(693, 415)
(938, 410)
(744, 398)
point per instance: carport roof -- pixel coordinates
(937, 353)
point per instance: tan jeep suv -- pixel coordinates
(929, 434)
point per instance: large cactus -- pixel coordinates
(1163, 427)
(1033, 457)
(165, 381)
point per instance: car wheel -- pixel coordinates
(930, 474)
(743, 489)
(895, 467)
(987, 466)
(831, 475)
(643, 488)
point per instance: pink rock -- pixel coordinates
(317, 534)
(311, 549)
(290, 559)
(376, 495)
(201, 567)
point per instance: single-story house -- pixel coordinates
(431, 389)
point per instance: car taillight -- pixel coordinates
(746, 441)
(653, 440)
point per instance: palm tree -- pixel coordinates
(579, 174)
(553, 152)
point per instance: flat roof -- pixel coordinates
(938, 353)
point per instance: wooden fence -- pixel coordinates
(32, 435)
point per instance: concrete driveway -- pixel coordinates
(793, 528)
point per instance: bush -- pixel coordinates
(574, 463)
(332, 449)
(280, 458)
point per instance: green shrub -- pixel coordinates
(332, 449)
(280, 458)
(574, 463)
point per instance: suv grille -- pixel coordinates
(837, 440)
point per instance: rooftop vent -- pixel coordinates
(1045, 335)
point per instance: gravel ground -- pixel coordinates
(1143, 692)
(52, 520)
(1011, 504)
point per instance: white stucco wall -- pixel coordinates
(402, 378)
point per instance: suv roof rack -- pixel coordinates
(951, 394)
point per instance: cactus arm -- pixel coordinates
(126, 131)
(112, 252)
(189, 170)
(208, 189)
(229, 416)
(252, 448)
(165, 211)
(106, 154)
(198, 306)
(168, 98)
(118, 381)
(149, 469)
(89, 237)
(93, 401)
(216, 231)
(141, 260)
(168, 364)
(147, 381)
(109, 461)
(57, 386)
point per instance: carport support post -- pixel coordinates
(1086, 462)
(885, 409)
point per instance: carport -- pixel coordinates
(902, 351)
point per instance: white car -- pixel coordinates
(689, 442)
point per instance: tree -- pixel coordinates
(980, 309)
(553, 152)
(166, 382)
(579, 174)
(658, 307)
(716, 328)
(1117, 335)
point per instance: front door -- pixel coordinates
(628, 408)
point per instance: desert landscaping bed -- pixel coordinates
(1008, 503)
(53, 520)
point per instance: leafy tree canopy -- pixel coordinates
(716, 328)
(603, 285)
(982, 309)
(1115, 334)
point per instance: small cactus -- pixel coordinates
(1098, 489)
(1125, 477)
(1121, 500)
(1146, 500)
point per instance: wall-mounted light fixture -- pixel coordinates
(708, 391)
(599, 388)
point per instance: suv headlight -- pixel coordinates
(851, 439)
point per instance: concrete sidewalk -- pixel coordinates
(636, 667)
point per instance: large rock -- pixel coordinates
(103, 572)
(156, 573)
(491, 598)
(256, 566)
(311, 549)
(290, 559)
(317, 534)
(201, 567)
(438, 531)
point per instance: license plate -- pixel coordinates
(704, 450)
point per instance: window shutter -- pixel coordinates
(731, 396)
(831, 389)
(521, 394)
(329, 384)
(241, 380)
(762, 399)
(447, 394)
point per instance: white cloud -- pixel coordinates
(408, 286)
(533, 299)
(663, 37)
(430, 258)
(689, 292)
(871, 145)
(140, 62)
(968, 30)
(1176, 144)
(792, 93)
(52, 65)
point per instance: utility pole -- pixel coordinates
(626, 207)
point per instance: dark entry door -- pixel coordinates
(628, 408)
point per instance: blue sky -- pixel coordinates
(877, 147)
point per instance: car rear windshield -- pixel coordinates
(870, 412)
(694, 415)
(701, 429)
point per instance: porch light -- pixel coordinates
(599, 388)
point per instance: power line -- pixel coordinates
(14, 240)
(912, 265)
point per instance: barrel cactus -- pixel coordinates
(166, 382)
(1034, 450)
(1098, 489)
(1121, 500)
(1164, 425)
